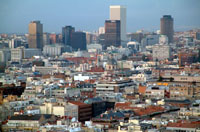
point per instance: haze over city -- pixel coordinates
(99, 66)
(89, 15)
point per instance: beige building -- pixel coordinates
(124, 64)
(118, 12)
(35, 38)
(193, 111)
(59, 109)
(131, 126)
(158, 91)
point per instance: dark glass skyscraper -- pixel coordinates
(67, 34)
(112, 33)
(167, 27)
(78, 41)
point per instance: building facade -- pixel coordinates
(78, 41)
(118, 12)
(46, 39)
(67, 34)
(112, 33)
(17, 54)
(161, 52)
(167, 27)
(55, 49)
(119, 86)
(35, 38)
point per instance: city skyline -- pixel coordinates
(54, 15)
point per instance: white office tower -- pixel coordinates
(101, 30)
(118, 12)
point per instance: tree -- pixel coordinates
(171, 79)
(160, 78)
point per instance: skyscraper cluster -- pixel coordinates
(37, 39)
(114, 32)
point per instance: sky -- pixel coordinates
(89, 15)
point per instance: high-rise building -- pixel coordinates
(67, 34)
(53, 38)
(35, 38)
(101, 30)
(14, 43)
(112, 33)
(78, 41)
(118, 12)
(167, 27)
(89, 38)
(46, 39)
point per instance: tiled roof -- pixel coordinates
(30, 117)
(183, 124)
(77, 103)
(149, 110)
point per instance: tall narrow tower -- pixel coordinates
(118, 12)
(112, 33)
(167, 27)
(67, 34)
(35, 38)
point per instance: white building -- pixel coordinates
(161, 52)
(17, 54)
(163, 39)
(134, 45)
(118, 12)
(14, 43)
(115, 86)
(55, 49)
(80, 77)
(101, 30)
(94, 47)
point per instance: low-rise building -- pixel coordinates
(161, 52)
(158, 92)
(28, 122)
(115, 86)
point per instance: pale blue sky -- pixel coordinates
(89, 15)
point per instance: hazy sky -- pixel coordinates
(89, 15)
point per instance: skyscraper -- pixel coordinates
(67, 34)
(46, 39)
(78, 41)
(112, 33)
(35, 38)
(167, 27)
(118, 12)
(53, 38)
